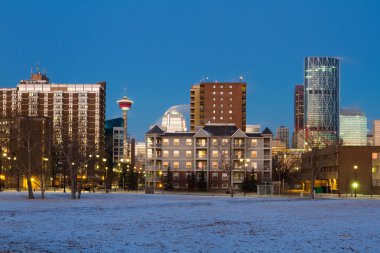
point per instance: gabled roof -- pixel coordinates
(267, 131)
(190, 134)
(239, 134)
(202, 133)
(155, 130)
(220, 130)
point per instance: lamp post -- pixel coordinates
(355, 184)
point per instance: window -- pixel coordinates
(213, 92)
(221, 111)
(176, 176)
(221, 99)
(253, 154)
(165, 142)
(176, 142)
(188, 153)
(254, 142)
(214, 165)
(254, 165)
(221, 93)
(165, 153)
(213, 111)
(230, 86)
(224, 176)
(213, 118)
(221, 118)
(214, 153)
(213, 99)
(188, 142)
(175, 165)
(175, 153)
(230, 92)
(188, 165)
(214, 176)
(213, 105)
(230, 99)
(230, 111)
(165, 165)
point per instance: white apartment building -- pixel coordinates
(187, 152)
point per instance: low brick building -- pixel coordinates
(339, 167)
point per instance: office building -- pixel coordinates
(187, 152)
(298, 140)
(353, 128)
(282, 134)
(173, 121)
(218, 102)
(321, 100)
(376, 132)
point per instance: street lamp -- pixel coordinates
(355, 184)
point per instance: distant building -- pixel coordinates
(115, 141)
(353, 128)
(173, 121)
(322, 100)
(282, 134)
(215, 102)
(369, 140)
(278, 146)
(187, 152)
(252, 129)
(298, 140)
(376, 132)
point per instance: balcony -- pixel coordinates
(201, 145)
(266, 168)
(239, 145)
(266, 156)
(266, 145)
(199, 156)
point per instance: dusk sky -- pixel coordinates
(158, 49)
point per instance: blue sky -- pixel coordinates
(158, 49)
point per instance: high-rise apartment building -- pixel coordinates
(321, 100)
(77, 110)
(298, 140)
(282, 134)
(353, 128)
(376, 133)
(215, 102)
(173, 121)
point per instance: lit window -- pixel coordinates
(221, 99)
(188, 165)
(188, 142)
(176, 142)
(221, 93)
(230, 111)
(254, 142)
(165, 142)
(254, 165)
(221, 118)
(175, 165)
(230, 92)
(165, 165)
(214, 153)
(214, 165)
(188, 153)
(165, 153)
(230, 99)
(253, 154)
(176, 153)
(213, 111)
(224, 176)
(213, 105)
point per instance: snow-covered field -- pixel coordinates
(182, 223)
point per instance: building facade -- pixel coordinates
(173, 121)
(341, 166)
(376, 133)
(298, 140)
(282, 134)
(77, 112)
(353, 128)
(215, 102)
(322, 79)
(192, 152)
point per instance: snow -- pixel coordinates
(121, 222)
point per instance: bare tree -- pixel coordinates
(226, 161)
(284, 166)
(31, 141)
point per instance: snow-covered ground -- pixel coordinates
(183, 223)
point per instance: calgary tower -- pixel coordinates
(125, 104)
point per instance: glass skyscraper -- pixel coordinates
(321, 100)
(353, 128)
